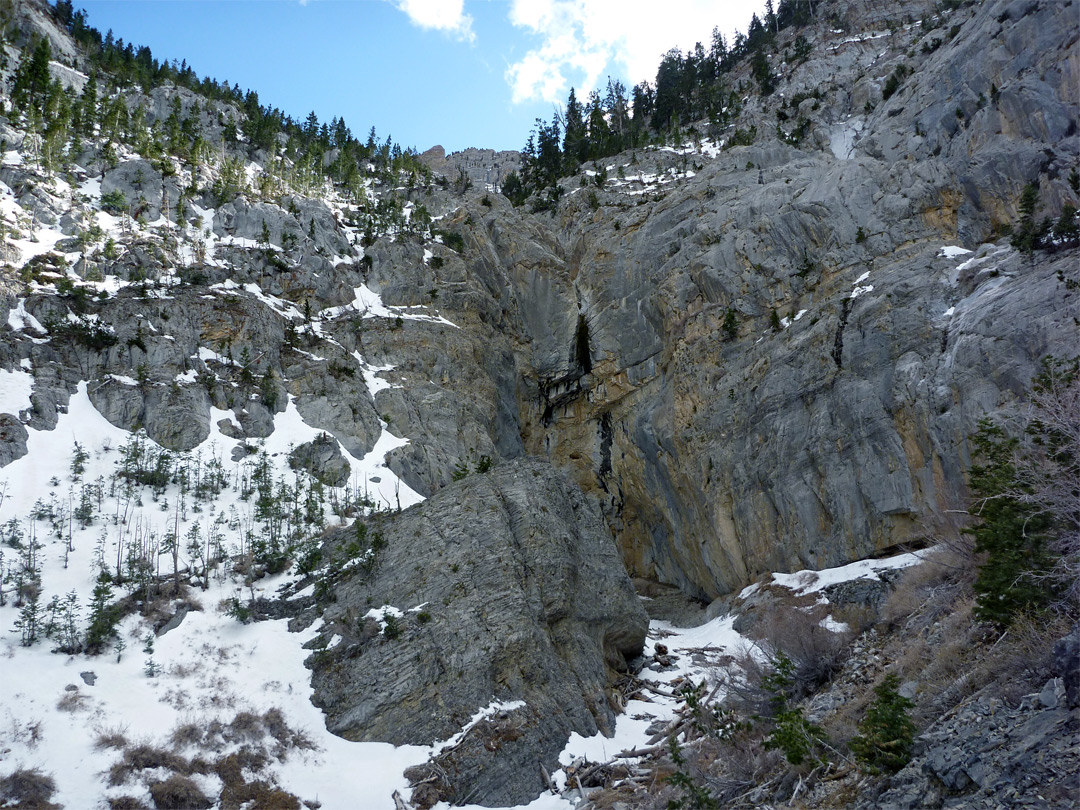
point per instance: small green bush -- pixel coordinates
(114, 202)
(454, 241)
(886, 732)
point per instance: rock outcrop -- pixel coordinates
(504, 589)
(719, 455)
(758, 358)
(761, 351)
(991, 754)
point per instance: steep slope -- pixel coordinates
(720, 455)
(764, 351)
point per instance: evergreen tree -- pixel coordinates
(599, 134)
(642, 105)
(513, 189)
(30, 622)
(886, 732)
(618, 109)
(731, 324)
(1010, 533)
(669, 99)
(575, 139)
(772, 24)
(88, 107)
(1025, 235)
(30, 85)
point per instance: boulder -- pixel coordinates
(13, 438)
(323, 460)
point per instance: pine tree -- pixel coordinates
(1025, 235)
(731, 324)
(30, 84)
(30, 622)
(886, 732)
(575, 140)
(1010, 533)
(103, 614)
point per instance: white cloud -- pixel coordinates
(447, 16)
(579, 39)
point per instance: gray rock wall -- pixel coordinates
(525, 599)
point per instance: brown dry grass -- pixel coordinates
(115, 737)
(179, 793)
(72, 701)
(127, 803)
(27, 789)
(143, 757)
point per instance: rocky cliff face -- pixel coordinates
(508, 593)
(600, 336)
(718, 455)
(729, 360)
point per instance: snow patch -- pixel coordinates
(807, 581)
(855, 293)
(15, 389)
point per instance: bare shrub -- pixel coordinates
(191, 602)
(286, 737)
(266, 796)
(743, 686)
(187, 735)
(302, 741)
(29, 732)
(1048, 477)
(1020, 660)
(843, 724)
(858, 618)
(245, 727)
(274, 722)
(142, 757)
(72, 701)
(231, 768)
(928, 590)
(179, 670)
(746, 762)
(127, 803)
(115, 737)
(239, 792)
(179, 793)
(816, 652)
(27, 789)
(941, 660)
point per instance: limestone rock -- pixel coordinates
(12, 439)
(141, 185)
(322, 458)
(510, 589)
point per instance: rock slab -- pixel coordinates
(509, 590)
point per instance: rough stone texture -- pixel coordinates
(485, 168)
(527, 600)
(322, 458)
(12, 439)
(714, 460)
(711, 458)
(842, 434)
(142, 185)
(1066, 666)
(176, 418)
(245, 220)
(990, 755)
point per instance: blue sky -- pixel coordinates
(452, 72)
